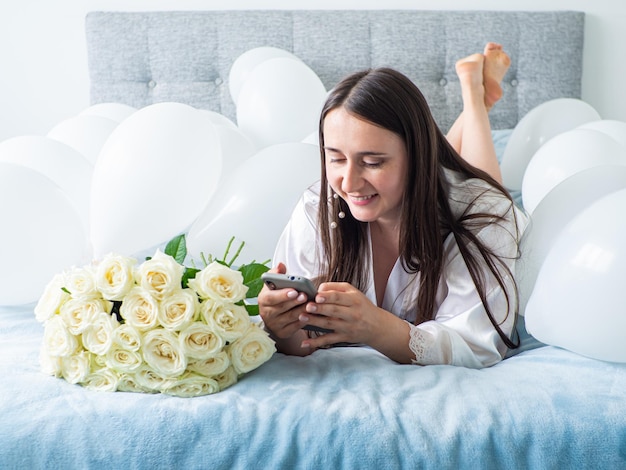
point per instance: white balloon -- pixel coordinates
(280, 102)
(255, 203)
(236, 148)
(42, 233)
(565, 155)
(313, 138)
(69, 169)
(84, 133)
(155, 174)
(555, 211)
(115, 111)
(220, 119)
(615, 129)
(246, 62)
(577, 303)
(538, 126)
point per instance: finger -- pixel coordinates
(322, 341)
(288, 329)
(280, 268)
(332, 306)
(321, 321)
(337, 293)
(330, 302)
(335, 286)
(283, 323)
(280, 307)
(281, 297)
(288, 298)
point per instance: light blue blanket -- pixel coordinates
(338, 408)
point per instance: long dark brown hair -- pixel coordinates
(390, 100)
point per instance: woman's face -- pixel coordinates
(366, 165)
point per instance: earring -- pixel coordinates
(341, 214)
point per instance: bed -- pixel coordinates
(351, 407)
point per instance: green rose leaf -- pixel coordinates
(177, 248)
(254, 287)
(253, 310)
(252, 277)
(190, 273)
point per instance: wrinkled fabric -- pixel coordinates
(461, 333)
(337, 408)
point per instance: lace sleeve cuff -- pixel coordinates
(427, 348)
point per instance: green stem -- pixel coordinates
(236, 254)
(230, 242)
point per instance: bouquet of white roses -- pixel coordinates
(154, 327)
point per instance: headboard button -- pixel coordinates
(151, 84)
(443, 82)
(514, 82)
(218, 81)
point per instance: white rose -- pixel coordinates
(160, 275)
(199, 341)
(97, 362)
(98, 337)
(229, 321)
(211, 366)
(219, 282)
(101, 380)
(52, 299)
(115, 276)
(251, 350)
(123, 360)
(127, 337)
(226, 378)
(178, 309)
(207, 309)
(128, 383)
(192, 385)
(57, 339)
(81, 283)
(76, 367)
(140, 309)
(163, 353)
(149, 379)
(50, 365)
(79, 313)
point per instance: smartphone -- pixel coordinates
(299, 283)
(282, 281)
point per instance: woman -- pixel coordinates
(413, 247)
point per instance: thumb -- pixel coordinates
(280, 268)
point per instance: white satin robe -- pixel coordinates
(461, 333)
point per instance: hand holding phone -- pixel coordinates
(301, 284)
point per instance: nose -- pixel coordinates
(352, 178)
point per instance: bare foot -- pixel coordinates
(496, 64)
(470, 72)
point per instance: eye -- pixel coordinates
(372, 163)
(334, 157)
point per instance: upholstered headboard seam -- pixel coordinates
(139, 58)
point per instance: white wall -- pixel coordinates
(43, 58)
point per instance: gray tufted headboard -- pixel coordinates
(143, 58)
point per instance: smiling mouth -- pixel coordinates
(361, 198)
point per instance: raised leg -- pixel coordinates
(480, 76)
(496, 64)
